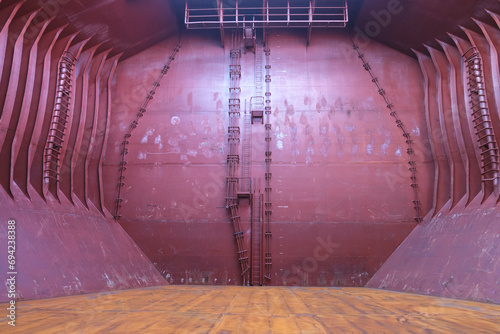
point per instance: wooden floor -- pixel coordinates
(223, 310)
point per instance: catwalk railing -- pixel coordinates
(406, 134)
(134, 124)
(294, 14)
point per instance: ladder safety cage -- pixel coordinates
(233, 157)
(60, 114)
(481, 117)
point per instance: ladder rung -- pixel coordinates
(56, 157)
(489, 150)
(485, 136)
(479, 117)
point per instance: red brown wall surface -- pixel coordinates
(65, 240)
(455, 253)
(339, 162)
(341, 195)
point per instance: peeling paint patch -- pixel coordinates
(142, 155)
(385, 146)
(149, 133)
(172, 141)
(350, 128)
(369, 149)
(175, 120)
(309, 154)
(159, 142)
(279, 145)
(398, 152)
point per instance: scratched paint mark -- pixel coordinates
(350, 128)
(109, 282)
(294, 141)
(340, 140)
(190, 99)
(159, 142)
(175, 120)
(102, 248)
(309, 155)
